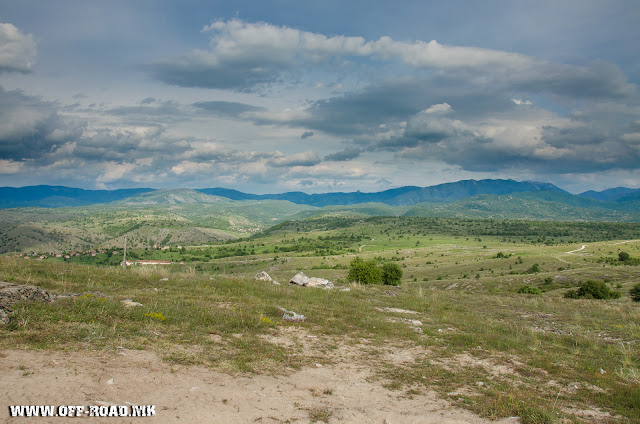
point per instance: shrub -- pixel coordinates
(623, 256)
(391, 274)
(533, 269)
(635, 293)
(592, 290)
(364, 272)
(529, 290)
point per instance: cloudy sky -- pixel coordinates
(316, 96)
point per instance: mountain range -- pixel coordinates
(57, 196)
(150, 217)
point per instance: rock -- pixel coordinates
(319, 282)
(5, 314)
(14, 293)
(263, 276)
(130, 303)
(396, 310)
(291, 316)
(302, 280)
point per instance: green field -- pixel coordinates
(460, 325)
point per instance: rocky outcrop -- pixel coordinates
(14, 293)
(302, 280)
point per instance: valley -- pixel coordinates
(459, 326)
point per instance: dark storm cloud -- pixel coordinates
(361, 113)
(598, 81)
(192, 70)
(345, 155)
(31, 127)
(306, 134)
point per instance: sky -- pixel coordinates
(319, 96)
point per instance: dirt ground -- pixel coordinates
(200, 395)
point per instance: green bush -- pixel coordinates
(592, 290)
(533, 269)
(635, 293)
(391, 274)
(364, 272)
(529, 290)
(623, 256)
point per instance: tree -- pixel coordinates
(533, 269)
(635, 293)
(364, 272)
(391, 274)
(592, 290)
(623, 256)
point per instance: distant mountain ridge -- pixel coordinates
(403, 196)
(320, 199)
(57, 196)
(612, 194)
(468, 188)
(171, 197)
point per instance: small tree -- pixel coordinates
(391, 274)
(635, 293)
(533, 269)
(623, 256)
(592, 290)
(364, 272)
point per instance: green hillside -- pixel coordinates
(188, 217)
(162, 221)
(541, 205)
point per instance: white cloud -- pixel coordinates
(114, 171)
(522, 102)
(442, 109)
(10, 167)
(632, 137)
(190, 167)
(308, 158)
(243, 55)
(17, 50)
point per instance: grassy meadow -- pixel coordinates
(456, 324)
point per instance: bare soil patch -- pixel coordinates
(202, 395)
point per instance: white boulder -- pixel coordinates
(302, 280)
(263, 276)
